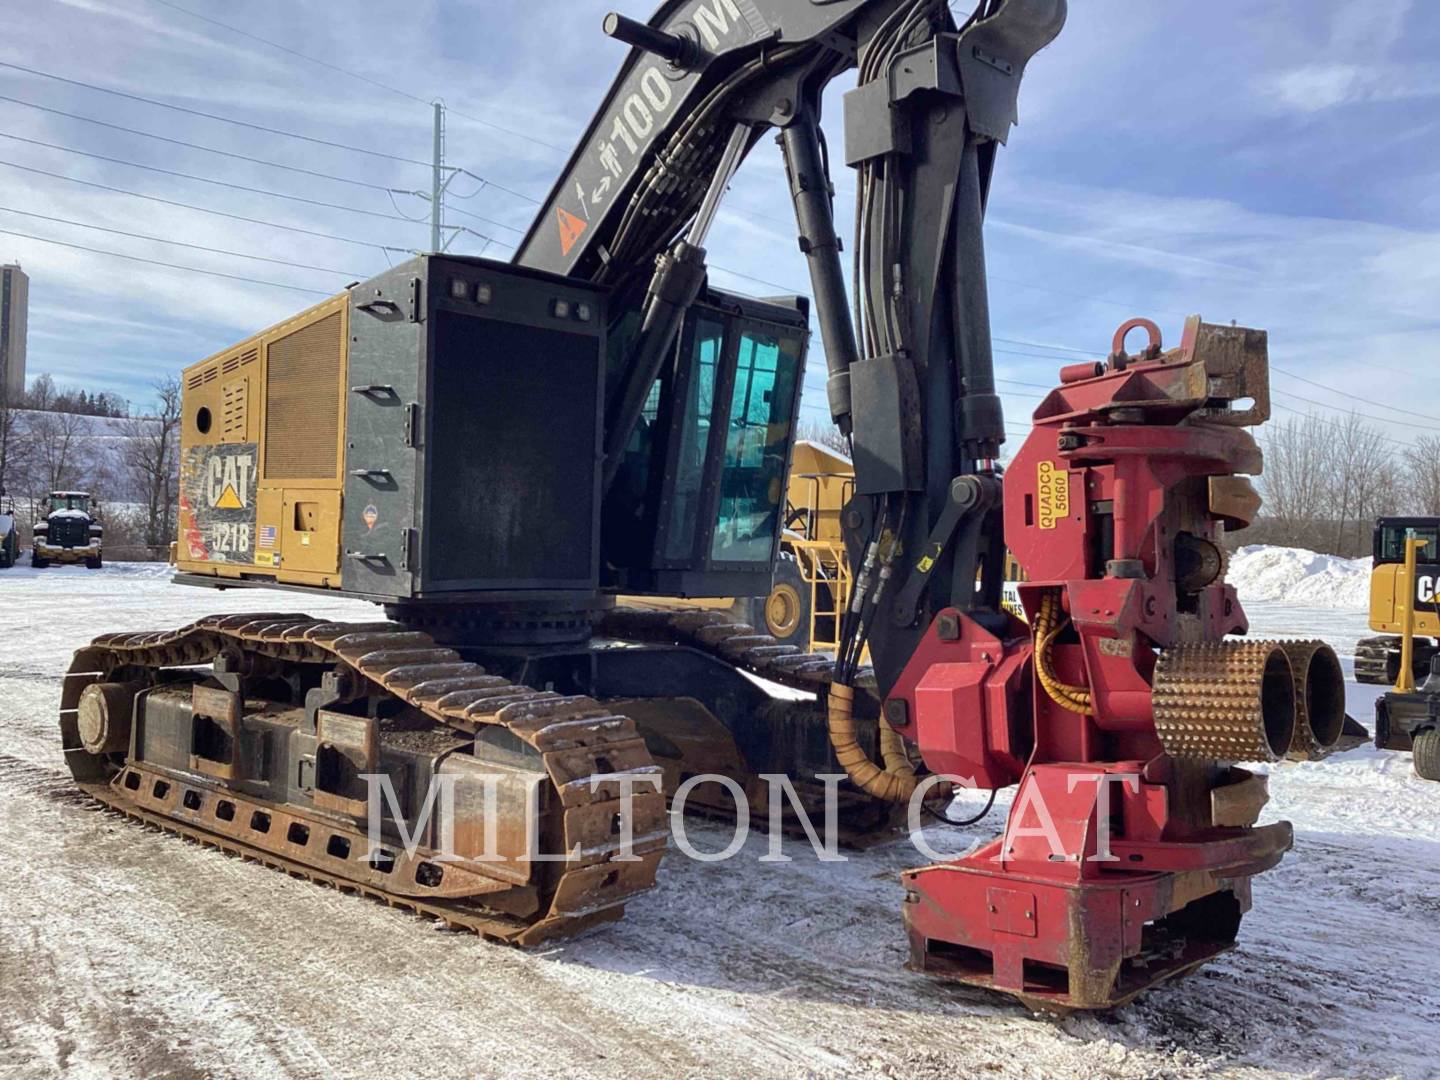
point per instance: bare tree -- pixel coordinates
(1422, 475)
(1326, 479)
(151, 459)
(1295, 482)
(42, 393)
(55, 446)
(13, 446)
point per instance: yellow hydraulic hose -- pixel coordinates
(896, 781)
(1048, 625)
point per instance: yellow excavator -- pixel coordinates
(1407, 717)
(1378, 659)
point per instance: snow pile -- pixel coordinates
(1301, 578)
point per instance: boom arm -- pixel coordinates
(705, 81)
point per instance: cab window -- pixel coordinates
(1392, 543)
(697, 419)
(757, 438)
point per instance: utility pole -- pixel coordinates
(437, 185)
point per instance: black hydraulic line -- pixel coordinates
(814, 215)
(944, 820)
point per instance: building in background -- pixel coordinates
(14, 305)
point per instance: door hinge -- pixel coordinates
(415, 309)
(412, 424)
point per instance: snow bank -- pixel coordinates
(1300, 577)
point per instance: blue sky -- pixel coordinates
(1273, 163)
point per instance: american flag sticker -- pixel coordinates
(267, 536)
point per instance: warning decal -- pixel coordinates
(571, 229)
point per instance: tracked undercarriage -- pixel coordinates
(267, 735)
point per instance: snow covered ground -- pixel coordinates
(127, 953)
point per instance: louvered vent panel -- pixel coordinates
(211, 373)
(234, 403)
(249, 357)
(302, 403)
(229, 364)
(194, 381)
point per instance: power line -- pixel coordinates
(214, 116)
(356, 75)
(207, 179)
(1269, 433)
(491, 183)
(1363, 416)
(159, 262)
(1037, 345)
(180, 243)
(207, 210)
(1354, 397)
(189, 145)
(450, 208)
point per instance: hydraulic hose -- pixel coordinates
(896, 781)
(1048, 624)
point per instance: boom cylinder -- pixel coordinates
(814, 215)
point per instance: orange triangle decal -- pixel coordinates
(571, 229)
(229, 500)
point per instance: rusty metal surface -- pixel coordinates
(738, 644)
(576, 738)
(1225, 701)
(1319, 699)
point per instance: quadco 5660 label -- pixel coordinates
(217, 502)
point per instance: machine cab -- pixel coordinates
(1389, 552)
(697, 507)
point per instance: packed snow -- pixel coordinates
(129, 953)
(1300, 578)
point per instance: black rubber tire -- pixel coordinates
(787, 589)
(93, 564)
(1426, 752)
(38, 563)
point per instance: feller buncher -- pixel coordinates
(494, 451)
(1377, 659)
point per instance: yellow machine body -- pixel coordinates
(262, 454)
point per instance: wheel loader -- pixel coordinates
(493, 452)
(69, 531)
(1377, 659)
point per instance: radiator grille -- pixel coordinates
(302, 403)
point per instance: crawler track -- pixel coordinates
(576, 738)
